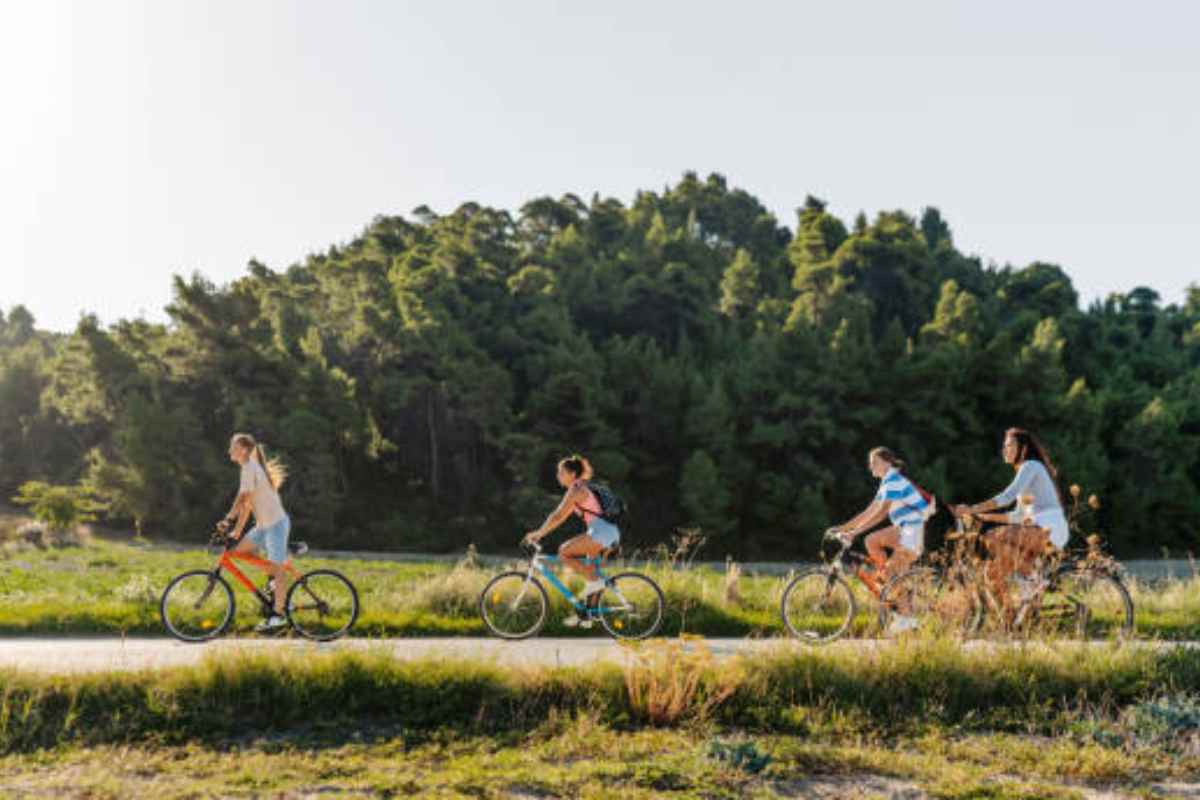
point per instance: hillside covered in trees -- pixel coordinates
(720, 371)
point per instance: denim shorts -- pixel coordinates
(273, 539)
(604, 532)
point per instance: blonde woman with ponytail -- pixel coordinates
(259, 493)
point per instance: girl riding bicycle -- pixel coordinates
(258, 492)
(907, 507)
(573, 475)
(1027, 531)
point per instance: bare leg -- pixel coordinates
(276, 571)
(580, 547)
(878, 544)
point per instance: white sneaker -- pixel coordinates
(901, 624)
(274, 623)
(573, 621)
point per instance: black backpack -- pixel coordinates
(612, 507)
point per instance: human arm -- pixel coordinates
(239, 512)
(1020, 485)
(558, 516)
(872, 516)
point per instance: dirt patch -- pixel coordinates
(850, 786)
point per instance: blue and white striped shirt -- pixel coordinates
(906, 506)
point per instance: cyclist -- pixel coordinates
(906, 507)
(573, 474)
(1028, 530)
(259, 493)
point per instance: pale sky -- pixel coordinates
(144, 139)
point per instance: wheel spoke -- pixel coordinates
(631, 606)
(513, 605)
(322, 605)
(817, 606)
(196, 606)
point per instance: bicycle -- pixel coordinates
(818, 605)
(514, 604)
(198, 605)
(1075, 593)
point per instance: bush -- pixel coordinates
(62, 508)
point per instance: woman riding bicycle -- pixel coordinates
(1026, 531)
(898, 500)
(259, 493)
(573, 475)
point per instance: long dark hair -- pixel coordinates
(1030, 447)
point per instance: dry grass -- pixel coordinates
(674, 680)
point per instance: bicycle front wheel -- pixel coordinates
(926, 600)
(631, 606)
(514, 605)
(1085, 604)
(197, 606)
(322, 605)
(817, 606)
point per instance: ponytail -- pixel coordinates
(276, 470)
(578, 466)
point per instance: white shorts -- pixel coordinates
(1060, 531)
(1053, 520)
(912, 537)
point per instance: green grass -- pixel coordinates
(580, 757)
(925, 717)
(114, 588)
(897, 689)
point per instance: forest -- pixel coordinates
(722, 371)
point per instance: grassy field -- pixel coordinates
(922, 718)
(104, 587)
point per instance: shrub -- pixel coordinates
(62, 508)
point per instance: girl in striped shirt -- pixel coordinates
(906, 507)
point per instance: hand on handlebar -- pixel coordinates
(837, 533)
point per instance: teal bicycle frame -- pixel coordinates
(539, 562)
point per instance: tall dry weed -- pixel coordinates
(673, 680)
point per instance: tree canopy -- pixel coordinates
(719, 370)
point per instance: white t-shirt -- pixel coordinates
(268, 509)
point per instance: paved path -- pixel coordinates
(65, 655)
(62, 655)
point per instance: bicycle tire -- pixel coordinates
(494, 595)
(648, 605)
(949, 606)
(320, 631)
(207, 627)
(1121, 612)
(824, 583)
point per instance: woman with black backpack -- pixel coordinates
(599, 508)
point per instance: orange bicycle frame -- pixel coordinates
(227, 559)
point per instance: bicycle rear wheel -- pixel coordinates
(513, 605)
(818, 606)
(322, 605)
(197, 606)
(631, 606)
(927, 600)
(1081, 603)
